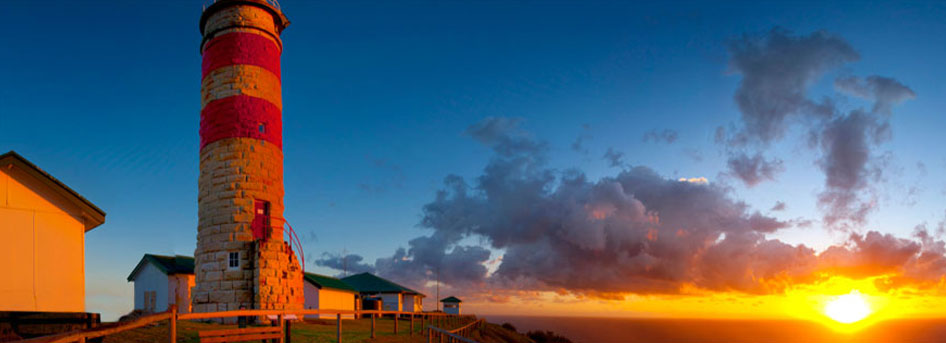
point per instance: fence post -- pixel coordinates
(172, 325)
(287, 331)
(395, 322)
(373, 315)
(338, 327)
(412, 324)
(282, 328)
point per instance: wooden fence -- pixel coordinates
(435, 334)
(426, 318)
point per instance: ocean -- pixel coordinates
(633, 330)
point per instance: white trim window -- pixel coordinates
(234, 260)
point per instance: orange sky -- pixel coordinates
(800, 302)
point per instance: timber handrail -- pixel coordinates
(172, 317)
(467, 326)
(82, 336)
(446, 333)
(251, 313)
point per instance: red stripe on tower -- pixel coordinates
(240, 116)
(240, 48)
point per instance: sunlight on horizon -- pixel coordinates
(848, 308)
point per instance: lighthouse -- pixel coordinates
(241, 259)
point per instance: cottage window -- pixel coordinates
(234, 260)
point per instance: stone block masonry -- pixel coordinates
(241, 257)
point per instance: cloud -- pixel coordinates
(884, 91)
(777, 69)
(392, 176)
(503, 135)
(846, 145)
(666, 136)
(779, 206)
(579, 144)
(429, 256)
(635, 232)
(755, 169)
(615, 158)
(350, 263)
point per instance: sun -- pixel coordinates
(848, 308)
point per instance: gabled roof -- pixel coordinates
(167, 264)
(370, 283)
(322, 281)
(93, 215)
(451, 299)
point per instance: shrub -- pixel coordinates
(547, 337)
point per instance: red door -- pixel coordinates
(260, 224)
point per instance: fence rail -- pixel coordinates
(435, 334)
(172, 317)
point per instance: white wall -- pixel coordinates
(179, 291)
(391, 301)
(451, 308)
(413, 303)
(150, 278)
(43, 247)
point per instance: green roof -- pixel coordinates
(451, 299)
(322, 281)
(370, 283)
(167, 264)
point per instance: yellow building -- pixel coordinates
(328, 293)
(43, 225)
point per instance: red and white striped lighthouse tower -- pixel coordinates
(242, 259)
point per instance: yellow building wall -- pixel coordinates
(43, 247)
(336, 300)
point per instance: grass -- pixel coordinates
(317, 331)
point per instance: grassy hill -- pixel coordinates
(312, 331)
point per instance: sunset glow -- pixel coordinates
(603, 171)
(848, 308)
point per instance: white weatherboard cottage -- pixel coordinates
(43, 224)
(393, 297)
(328, 293)
(451, 305)
(161, 281)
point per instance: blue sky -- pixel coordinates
(378, 96)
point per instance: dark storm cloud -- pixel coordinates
(755, 169)
(777, 69)
(350, 263)
(666, 136)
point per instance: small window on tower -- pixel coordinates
(262, 128)
(234, 260)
